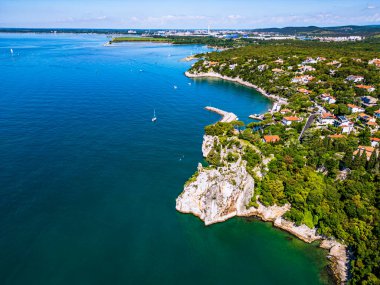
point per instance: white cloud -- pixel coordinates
(234, 17)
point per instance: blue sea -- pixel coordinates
(88, 183)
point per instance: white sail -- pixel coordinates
(154, 116)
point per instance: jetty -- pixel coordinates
(227, 117)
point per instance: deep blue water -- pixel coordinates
(88, 183)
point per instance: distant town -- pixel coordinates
(232, 34)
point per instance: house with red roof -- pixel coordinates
(375, 61)
(287, 121)
(369, 88)
(271, 139)
(326, 119)
(372, 125)
(354, 109)
(285, 111)
(375, 142)
(366, 118)
(367, 149)
(304, 91)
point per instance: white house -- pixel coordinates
(354, 109)
(375, 142)
(304, 79)
(347, 127)
(326, 119)
(355, 78)
(306, 68)
(287, 121)
(328, 98)
(262, 67)
(309, 60)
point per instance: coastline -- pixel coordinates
(275, 98)
(214, 199)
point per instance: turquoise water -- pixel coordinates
(88, 183)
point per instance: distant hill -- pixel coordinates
(325, 31)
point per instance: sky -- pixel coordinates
(189, 14)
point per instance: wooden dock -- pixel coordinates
(227, 117)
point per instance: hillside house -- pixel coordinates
(369, 101)
(355, 78)
(328, 98)
(271, 139)
(326, 119)
(368, 88)
(287, 121)
(375, 142)
(354, 109)
(303, 79)
(375, 61)
(367, 149)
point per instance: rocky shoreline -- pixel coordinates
(218, 194)
(275, 98)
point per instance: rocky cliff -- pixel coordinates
(219, 193)
(216, 194)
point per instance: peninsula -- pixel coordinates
(311, 166)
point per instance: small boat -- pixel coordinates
(11, 51)
(154, 116)
(189, 83)
(175, 87)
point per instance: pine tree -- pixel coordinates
(347, 159)
(363, 159)
(365, 136)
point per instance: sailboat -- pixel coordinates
(154, 116)
(11, 51)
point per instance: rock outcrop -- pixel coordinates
(216, 194)
(338, 257)
(208, 144)
(220, 193)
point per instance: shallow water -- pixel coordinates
(88, 183)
